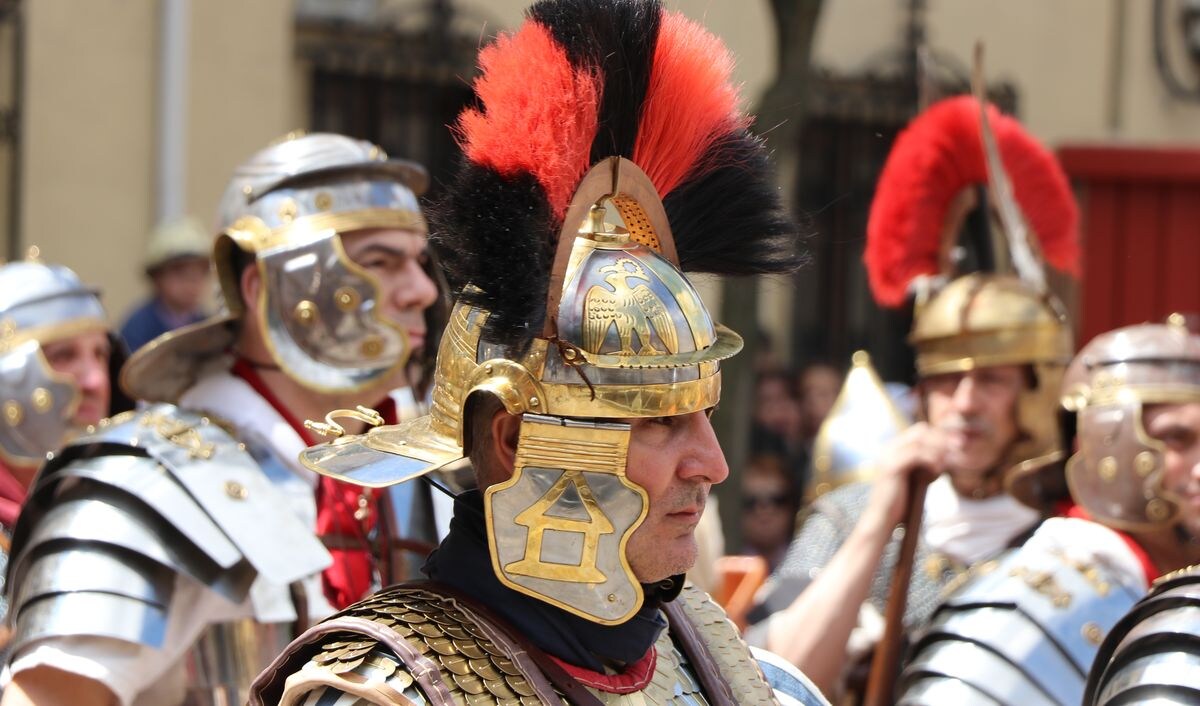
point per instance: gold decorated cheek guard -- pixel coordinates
(557, 529)
(626, 336)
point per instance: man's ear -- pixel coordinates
(506, 430)
(249, 284)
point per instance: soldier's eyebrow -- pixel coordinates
(380, 249)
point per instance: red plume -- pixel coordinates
(938, 155)
(690, 103)
(546, 132)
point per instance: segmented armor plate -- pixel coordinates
(1020, 631)
(115, 517)
(1153, 653)
(475, 669)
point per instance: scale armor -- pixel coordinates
(1153, 653)
(146, 498)
(476, 663)
(1021, 630)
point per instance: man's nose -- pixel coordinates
(92, 374)
(703, 460)
(415, 290)
(966, 395)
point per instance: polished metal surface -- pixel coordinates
(287, 207)
(982, 320)
(1023, 630)
(557, 528)
(322, 323)
(116, 516)
(1152, 656)
(39, 304)
(228, 656)
(320, 173)
(626, 336)
(89, 614)
(1117, 473)
(97, 569)
(862, 421)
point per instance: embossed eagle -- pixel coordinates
(630, 309)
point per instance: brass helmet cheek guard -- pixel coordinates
(626, 336)
(1118, 473)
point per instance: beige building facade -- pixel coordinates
(1083, 69)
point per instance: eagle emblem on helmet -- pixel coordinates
(630, 309)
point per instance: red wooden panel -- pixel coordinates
(1099, 256)
(1127, 164)
(1139, 264)
(1182, 258)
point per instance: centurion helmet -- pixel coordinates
(1004, 317)
(285, 208)
(39, 304)
(1117, 473)
(608, 157)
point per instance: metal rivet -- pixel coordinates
(287, 211)
(305, 313)
(612, 598)
(347, 298)
(13, 413)
(534, 401)
(236, 490)
(1093, 633)
(42, 400)
(372, 346)
(1158, 510)
(488, 368)
(1143, 463)
(1107, 468)
(323, 200)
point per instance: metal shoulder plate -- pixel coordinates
(117, 515)
(410, 645)
(1152, 655)
(1021, 630)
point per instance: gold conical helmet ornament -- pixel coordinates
(863, 420)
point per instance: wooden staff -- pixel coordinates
(885, 666)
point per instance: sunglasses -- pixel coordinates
(753, 502)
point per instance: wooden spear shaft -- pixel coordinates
(885, 666)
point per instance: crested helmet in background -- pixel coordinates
(1110, 382)
(283, 211)
(604, 162)
(960, 152)
(39, 304)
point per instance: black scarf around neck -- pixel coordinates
(462, 562)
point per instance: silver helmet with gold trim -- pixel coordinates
(572, 224)
(39, 304)
(286, 208)
(1117, 472)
